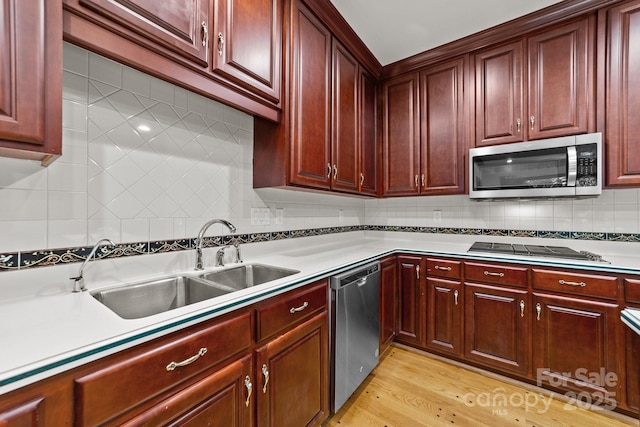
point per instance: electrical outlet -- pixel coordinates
(340, 216)
(260, 216)
(437, 216)
(279, 216)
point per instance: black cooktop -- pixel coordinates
(533, 250)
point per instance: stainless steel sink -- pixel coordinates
(153, 297)
(247, 275)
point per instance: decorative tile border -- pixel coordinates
(49, 257)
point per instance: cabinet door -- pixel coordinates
(633, 369)
(292, 376)
(225, 398)
(444, 315)
(368, 135)
(28, 413)
(497, 328)
(623, 104)
(247, 44)
(444, 127)
(500, 114)
(561, 76)
(344, 147)
(31, 79)
(411, 301)
(400, 137)
(311, 102)
(575, 346)
(388, 301)
(180, 25)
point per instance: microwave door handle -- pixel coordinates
(572, 166)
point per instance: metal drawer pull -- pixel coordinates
(533, 122)
(249, 386)
(205, 33)
(489, 273)
(173, 365)
(265, 374)
(418, 272)
(518, 124)
(538, 310)
(296, 309)
(361, 179)
(581, 284)
(335, 172)
(422, 179)
(521, 308)
(416, 181)
(220, 44)
(443, 268)
(329, 170)
(455, 297)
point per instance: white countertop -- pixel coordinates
(45, 329)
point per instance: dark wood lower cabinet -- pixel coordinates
(497, 328)
(575, 347)
(633, 369)
(388, 301)
(292, 376)
(411, 301)
(444, 315)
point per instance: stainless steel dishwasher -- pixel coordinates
(355, 328)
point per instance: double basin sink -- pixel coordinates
(160, 295)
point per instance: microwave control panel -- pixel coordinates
(587, 175)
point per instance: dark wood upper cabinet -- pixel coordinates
(31, 79)
(368, 135)
(561, 80)
(228, 50)
(622, 101)
(245, 32)
(310, 105)
(444, 125)
(345, 144)
(400, 136)
(499, 95)
(326, 139)
(180, 25)
(541, 86)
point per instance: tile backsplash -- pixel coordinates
(146, 160)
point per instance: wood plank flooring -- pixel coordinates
(411, 388)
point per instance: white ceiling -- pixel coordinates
(397, 29)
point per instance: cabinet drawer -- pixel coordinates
(291, 308)
(496, 273)
(632, 289)
(575, 283)
(443, 267)
(121, 383)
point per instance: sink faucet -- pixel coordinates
(78, 281)
(204, 228)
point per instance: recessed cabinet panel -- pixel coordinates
(411, 301)
(368, 135)
(181, 25)
(247, 42)
(444, 315)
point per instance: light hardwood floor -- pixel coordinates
(411, 388)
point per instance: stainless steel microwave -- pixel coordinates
(555, 167)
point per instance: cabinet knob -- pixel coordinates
(220, 44)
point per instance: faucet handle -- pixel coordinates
(220, 256)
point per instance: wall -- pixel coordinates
(144, 160)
